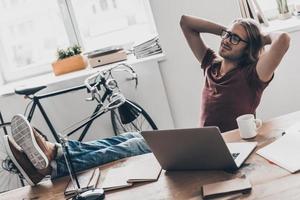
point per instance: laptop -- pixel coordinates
(196, 149)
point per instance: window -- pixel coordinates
(270, 9)
(30, 33)
(111, 22)
(32, 30)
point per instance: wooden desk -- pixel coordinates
(269, 181)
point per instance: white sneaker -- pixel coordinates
(22, 163)
(22, 133)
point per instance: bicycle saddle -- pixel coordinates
(29, 91)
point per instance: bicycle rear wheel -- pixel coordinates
(131, 117)
(9, 177)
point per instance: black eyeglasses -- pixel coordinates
(233, 38)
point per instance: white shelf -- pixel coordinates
(50, 78)
(288, 25)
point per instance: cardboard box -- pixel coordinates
(97, 60)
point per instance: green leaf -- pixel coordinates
(68, 52)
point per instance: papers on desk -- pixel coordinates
(145, 170)
(285, 151)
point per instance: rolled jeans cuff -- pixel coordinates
(53, 163)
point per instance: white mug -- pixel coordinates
(248, 125)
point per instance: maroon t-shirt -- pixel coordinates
(226, 97)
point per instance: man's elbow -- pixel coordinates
(183, 21)
(284, 39)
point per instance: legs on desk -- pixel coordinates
(85, 155)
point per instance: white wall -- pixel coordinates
(181, 72)
(283, 94)
(66, 109)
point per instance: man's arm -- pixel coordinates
(192, 27)
(270, 59)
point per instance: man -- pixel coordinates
(35, 157)
(236, 79)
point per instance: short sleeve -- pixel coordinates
(254, 79)
(208, 58)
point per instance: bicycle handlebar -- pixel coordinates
(128, 69)
(93, 88)
(117, 99)
(87, 81)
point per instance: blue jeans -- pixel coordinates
(85, 155)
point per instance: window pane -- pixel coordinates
(31, 31)
(267, 4)
(110, 22)
(270, 7)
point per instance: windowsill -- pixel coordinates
(288, 25)
(50, 78)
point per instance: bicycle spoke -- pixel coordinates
(140, 123)
(9, 180)
(3, 172)
(119, 121)
(134, 126)
(4, 186)
(2, 155)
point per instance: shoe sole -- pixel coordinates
(14, 160)
(22, 133)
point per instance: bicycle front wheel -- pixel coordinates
(131, 117)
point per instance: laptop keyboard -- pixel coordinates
(235, 155)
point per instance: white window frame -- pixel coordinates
(272, 12)
(8, 74)
(12, 74)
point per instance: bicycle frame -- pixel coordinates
(36, 103)
(3, 125)
(107, 93)
(109, 99)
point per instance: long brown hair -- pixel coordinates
(255, 41)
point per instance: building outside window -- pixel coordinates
(270, 8)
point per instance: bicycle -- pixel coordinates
(126, 115)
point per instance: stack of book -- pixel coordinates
(147, 48)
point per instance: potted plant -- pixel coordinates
(69, 60)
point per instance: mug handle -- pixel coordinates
(258, 123)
